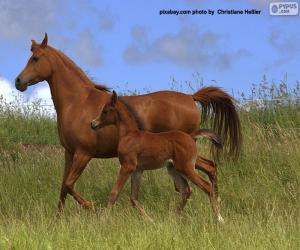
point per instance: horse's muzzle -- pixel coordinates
(19, 85)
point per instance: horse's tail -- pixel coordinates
(218, 105)
(210, 134)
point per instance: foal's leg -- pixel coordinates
(125, 171)
(182, 185)
(135, 188)
(188, 171)
(210, 168)
(170, 165)
(79, 163)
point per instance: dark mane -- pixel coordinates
(134, 114)
(101, 87)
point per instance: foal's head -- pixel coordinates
(109, 114)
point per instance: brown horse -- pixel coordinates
(77, 102)
(142, 150)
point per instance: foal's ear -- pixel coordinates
(45, 41)
(114, 98)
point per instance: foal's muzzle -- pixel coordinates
(95, 124)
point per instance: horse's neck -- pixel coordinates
(67, 89)
(126, 121)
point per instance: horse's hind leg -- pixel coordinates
(189, 172)
(182, 185)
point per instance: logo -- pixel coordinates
(283, 9)
(274, 9)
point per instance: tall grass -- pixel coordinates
(260, 192)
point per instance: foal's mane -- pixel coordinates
(80, 73)
(134, 114)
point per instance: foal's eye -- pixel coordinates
(35, 58)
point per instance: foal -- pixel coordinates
(140, 150)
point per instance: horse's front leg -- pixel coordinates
(64, 190)
(80, 160)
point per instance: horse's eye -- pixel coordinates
(35, 58)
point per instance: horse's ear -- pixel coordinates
(33, 44)
(114, 98)
(45, 41)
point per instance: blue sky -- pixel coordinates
(128, 45)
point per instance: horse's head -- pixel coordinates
(108, 116)
(38, 67)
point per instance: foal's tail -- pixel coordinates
(208, 133)
(219, 107)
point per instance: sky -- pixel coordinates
(128, 45)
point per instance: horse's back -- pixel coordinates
(166, 110)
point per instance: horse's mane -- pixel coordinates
(82, 75)
(101, 87)
(135, 115)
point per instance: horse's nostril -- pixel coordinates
(18, 80)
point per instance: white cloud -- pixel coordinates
(286, 45)
(86, 50)
(7, 92)
(43, 94)
(20, 18)
(107, 20)
(10, 94)
(189, 47)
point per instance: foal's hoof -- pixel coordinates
(88, 205)
(189, 191)
(59, 214)
(220, 219)
(179, 210)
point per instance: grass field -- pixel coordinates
(260, 192)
